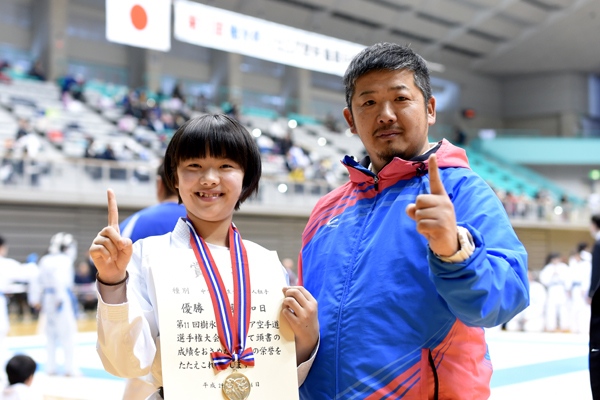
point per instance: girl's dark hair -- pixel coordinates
(219, 136)
(20, 368)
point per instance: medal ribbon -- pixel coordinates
(232, 328)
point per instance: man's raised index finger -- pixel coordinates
(435, 182)
(113, 211)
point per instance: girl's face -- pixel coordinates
(209, 188)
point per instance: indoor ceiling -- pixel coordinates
(499, 37)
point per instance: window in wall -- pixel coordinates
(104, 73)
(18, 58)
(446, 93)
(190, 51)
(84, 27)
(327, 81)
(18, 14)
(253, 65)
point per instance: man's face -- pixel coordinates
(390, 116)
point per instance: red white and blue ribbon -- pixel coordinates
(232, 328)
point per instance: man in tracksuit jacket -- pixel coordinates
(412, 257)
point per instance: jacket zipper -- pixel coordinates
(375, 177)
(347, 282)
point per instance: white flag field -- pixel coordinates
(139, 23)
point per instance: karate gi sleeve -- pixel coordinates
(127, 332)
(491, 286)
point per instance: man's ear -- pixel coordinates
(350, 120)
(431, 111)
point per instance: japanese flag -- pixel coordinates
(139, 23)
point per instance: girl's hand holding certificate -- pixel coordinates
(111, 252)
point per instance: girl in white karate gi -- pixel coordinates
(213, 163)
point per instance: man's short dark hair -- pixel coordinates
(387, 57)
(2, 241)
(218, 136)
(20, 368)
(596, 220)
(161, 173)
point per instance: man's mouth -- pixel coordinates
(387, 133)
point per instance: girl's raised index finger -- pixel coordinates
(113, 211)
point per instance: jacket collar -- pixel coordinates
(448, 156)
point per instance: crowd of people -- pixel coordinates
(559, 295)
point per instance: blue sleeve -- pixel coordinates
(491, 286)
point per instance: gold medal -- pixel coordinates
(236, 387)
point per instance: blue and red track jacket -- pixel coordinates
(396, 322)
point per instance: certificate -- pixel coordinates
(188, 330)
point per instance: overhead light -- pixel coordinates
(558, 210)
(292, 123)
(322, 141)
(256, 132)
(282, 188)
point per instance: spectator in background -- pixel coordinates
(37, 71)
(20, 370)
(595, 277)
(580, 264)
(108, 154)
(3, 67)
(594, 354)
(290, 268)
(23, 128)
(556, 276)
(178, 92)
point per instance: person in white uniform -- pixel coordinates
(532, 319)
(581, 269)
(213, 163)
(54, 287)
(11, 271)
(556, 276)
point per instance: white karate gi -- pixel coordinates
(580, 309)
(20, 391)
(557, 279)
(54, 285)
(128, 331)
(11, 271)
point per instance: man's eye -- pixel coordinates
(401, 98)
(369, 103)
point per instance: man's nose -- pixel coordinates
(386, 114)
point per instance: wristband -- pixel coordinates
(112, 284)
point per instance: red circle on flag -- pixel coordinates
(139, 18)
